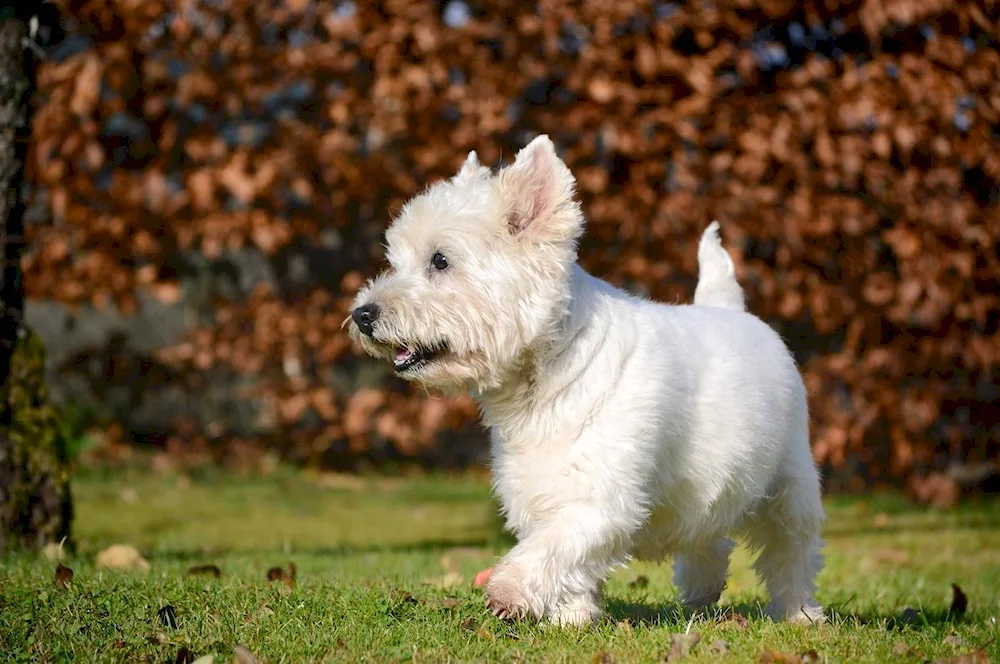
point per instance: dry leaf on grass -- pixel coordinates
(449, 580)
(719, 647)
(901, 649)
(604, 658)
(735, 621)
(122, 556)
(167, 616)
(53, 552)
(776, 657)
(639, 583)
(278, 574)
(959, 602)
(243, 655)
(212, 570)
(892, 556)
(64, 576)
(185, 656)
(681, 645)
(447, 602)
(402, 596)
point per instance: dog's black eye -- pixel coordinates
(439, 261)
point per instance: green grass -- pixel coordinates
(384, 571)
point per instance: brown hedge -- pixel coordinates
(849, 149)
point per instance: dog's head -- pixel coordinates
(479, 272)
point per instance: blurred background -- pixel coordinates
(208, 183)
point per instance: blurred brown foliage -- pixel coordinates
(850, 150)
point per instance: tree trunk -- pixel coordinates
(35, 505)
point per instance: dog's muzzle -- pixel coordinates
(364, 317)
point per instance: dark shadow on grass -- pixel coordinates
(651, 614)
(645, 613)
(912, 619)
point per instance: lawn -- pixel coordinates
(383, 571)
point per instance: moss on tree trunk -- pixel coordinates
(35, 503)
(35, 506)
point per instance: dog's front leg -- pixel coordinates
(557, 571)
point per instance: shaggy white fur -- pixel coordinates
(620, 427)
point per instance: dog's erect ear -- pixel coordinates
(539, 191)
(470, 168)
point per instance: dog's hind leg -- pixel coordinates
(786, 531)
(700, 572)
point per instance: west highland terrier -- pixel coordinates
(620, 428)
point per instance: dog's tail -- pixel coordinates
(717, 285)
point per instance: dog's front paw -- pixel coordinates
(507, 599)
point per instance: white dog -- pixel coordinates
(621, 428)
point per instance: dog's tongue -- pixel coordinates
(403, 353)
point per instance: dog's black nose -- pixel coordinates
(365, 317)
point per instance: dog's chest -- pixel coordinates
(527, 480)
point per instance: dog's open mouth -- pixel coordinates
(409, 357)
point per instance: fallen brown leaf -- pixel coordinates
(901, 649)
(167, 616)
(402, 596)
(53, 552)
(775, 657)
(468, 624)
(893, 556)
(243, 655)
(278, 574)
(681, 645)
(810, 657)
(734, 620)
(448, 580)
(122, 556)
(959, 602)
(205, 569)
(604, 658)
(64, 576)
(640, 582)
(719, 647)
